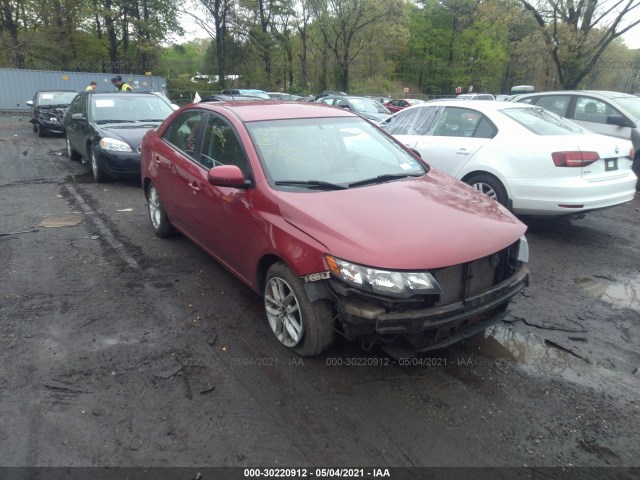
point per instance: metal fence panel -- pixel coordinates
(18, 86)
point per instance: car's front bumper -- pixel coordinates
(120, 164)
(439, 326)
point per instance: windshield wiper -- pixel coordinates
(316, 184)
(151, 120)
(115, 121)
(383, 178)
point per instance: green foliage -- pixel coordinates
(365, 46)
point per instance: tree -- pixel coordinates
(220, 11)
(342, 21)
(577, 32)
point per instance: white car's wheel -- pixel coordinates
(490, 186)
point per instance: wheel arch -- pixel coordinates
(263, 267)
(491, 173)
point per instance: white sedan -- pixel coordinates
(525, 157)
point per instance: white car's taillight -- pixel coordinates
(574, 159)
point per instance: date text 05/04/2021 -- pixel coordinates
(317, 473)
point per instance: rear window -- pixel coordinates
(542, 122)
(630, 104)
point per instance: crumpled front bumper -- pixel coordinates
(444, 325)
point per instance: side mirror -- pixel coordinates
(30, 103)
(620, 121)
(226, 176)
(77, 116)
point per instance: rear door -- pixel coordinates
(172, 163)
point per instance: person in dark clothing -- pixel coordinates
(120, 85)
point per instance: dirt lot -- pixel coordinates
(121, 349)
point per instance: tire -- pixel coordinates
(159, 221)
(73, 155)
(490, 186)
(41, 132)
(302, 326)
(35, 128)
(99, 174)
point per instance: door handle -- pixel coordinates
(156, 159)
(194, 186)
(462, 151)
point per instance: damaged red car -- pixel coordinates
(340, 228)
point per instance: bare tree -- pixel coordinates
(220, 11)
(577, 32)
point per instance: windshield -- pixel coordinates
(55, 98)
(543, 122)
(367, 105)
(329, 152)
(129, 108)
(630, 104)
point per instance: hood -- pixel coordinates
(47, 111)
(131, 133)
(414, 224)
(376, 117)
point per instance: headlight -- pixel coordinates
(114, 145)
(54, 119)
(523, 250)
(384, 282)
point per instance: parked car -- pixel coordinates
(523, 156)
(398, 104)
(376, 246)
(363, 106)
(476, 96)
(231, 97)
(106, 129)
(609, 113)
(251, 92)
(47, 110)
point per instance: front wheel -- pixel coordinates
(73, 155)
(304, 327)
(159, 220)
(99, 174)
(490, 186)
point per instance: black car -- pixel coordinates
(107, 128)
(47, 110)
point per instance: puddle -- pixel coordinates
(507, 346)
(83, 178)
(619, 294)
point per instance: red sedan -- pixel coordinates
(335, 224)
(400, 103)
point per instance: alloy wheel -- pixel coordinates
(283, 312)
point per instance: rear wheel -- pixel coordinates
(304, 327)
(490, 186)
(159, 220)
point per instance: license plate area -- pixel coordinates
(610, 164)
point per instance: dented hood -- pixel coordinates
(413, 224)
